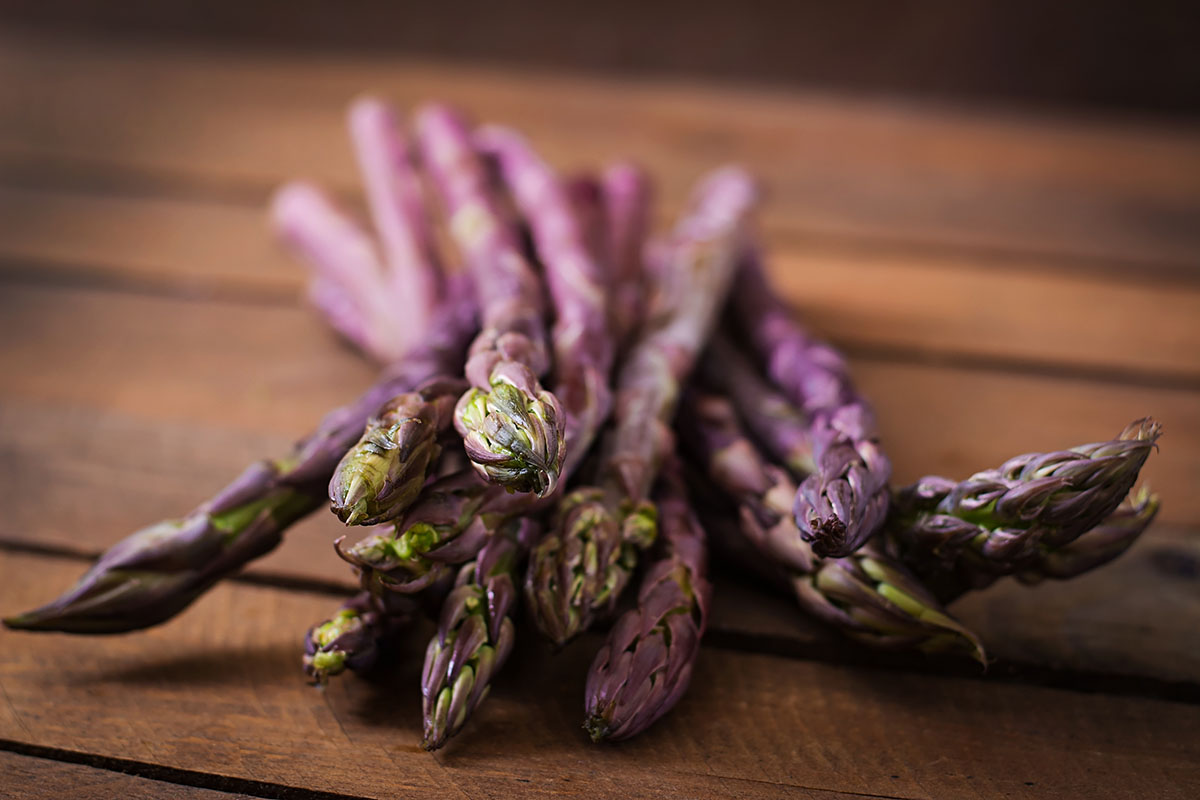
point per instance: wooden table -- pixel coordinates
(1001, 283)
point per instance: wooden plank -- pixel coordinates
(273, 370)
(79, 479)
(967, 305)
(1016, 311)
(222, 694)
(942, 48)
(26, 777)
(180, 244)
(264, 368)
(1106, 190)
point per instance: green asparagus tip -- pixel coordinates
(359, 512)
(331, 663)
(21, 622)
(39, 619)
(596, 727)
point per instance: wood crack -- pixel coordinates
(175, 775)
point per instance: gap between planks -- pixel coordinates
(160, 774)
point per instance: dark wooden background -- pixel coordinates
(1110, 54)
(992, 208)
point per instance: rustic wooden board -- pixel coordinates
(1114, 191)
(174, 244)
(1032, 284)
(273, 370)
(222, 694)
(174, 359)
(26, 777)
(964, 304)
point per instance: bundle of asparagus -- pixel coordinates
(475, 475)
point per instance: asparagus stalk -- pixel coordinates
(584, 197)
(964, 535)
(346, 273)
(845, 500)
(155, 573)
(579, 569)
(776, 424)
(625, 190)
(645, 665)
(382, 475)
(582, 342)
(868, 595)
(511, 426)
(352, 637)
(358, 283)
(448, 526)
(385, 159)
(1098, 546)
(475, 633)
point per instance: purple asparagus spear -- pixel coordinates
(646, 662)
(475, 633)
(625, 190)
(155, 573)
(845, 500)
(582, 341)
(776, 424)
(1098, 546)
(379, 294)
(579, 569)
(352, 637)
(512, 428)
(961, 535)
(867, 595)
(152, 575)
(380, 476)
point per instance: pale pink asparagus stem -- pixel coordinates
(393, 188)
(625, 192)
(345, 266)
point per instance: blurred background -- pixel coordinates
(1081, 54)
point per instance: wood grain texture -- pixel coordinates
(25, 777)
(223, 694)
(261, 368)
(1003, 284)
(966, 304)
(1111, 191)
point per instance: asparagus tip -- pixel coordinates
(596, 727)
(22, 622)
